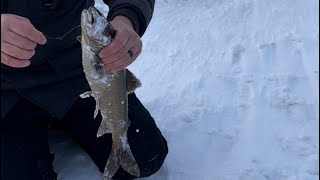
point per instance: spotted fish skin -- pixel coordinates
(110, 91)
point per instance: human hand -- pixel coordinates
(19, 38)
(116, 56)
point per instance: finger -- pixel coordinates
(121, 52)
(13, 62)
(136, 52)
(117, 55)
(118, 42)
(15, 51)
(120, 63)
(19, 41)
(119, 68)
(25, 29)
(126, 61)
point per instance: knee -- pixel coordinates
(152, 166)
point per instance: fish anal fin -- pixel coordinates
(132, 82)
(104, 127)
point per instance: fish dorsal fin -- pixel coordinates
(79, 38)
(132, 82)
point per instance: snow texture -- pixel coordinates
(124, 141)
(234, 87)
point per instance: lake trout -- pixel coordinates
(110, 91)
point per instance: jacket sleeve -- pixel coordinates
(138, 11)
(4, 6)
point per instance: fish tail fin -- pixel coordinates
(121, 155)
(113, 163)
(128, 162)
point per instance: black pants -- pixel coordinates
(25, 151)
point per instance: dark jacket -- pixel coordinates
(55, 78)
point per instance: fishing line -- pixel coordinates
(61, 37)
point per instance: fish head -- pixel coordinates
(96, 30)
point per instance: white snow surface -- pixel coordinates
(234, 87)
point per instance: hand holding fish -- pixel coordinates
(18, 40)
(125, 47)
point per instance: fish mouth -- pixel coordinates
(91, 15)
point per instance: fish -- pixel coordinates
(110, 91)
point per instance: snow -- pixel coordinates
(234, 87)
(124, 141)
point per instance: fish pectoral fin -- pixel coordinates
(132, 82)
(90, 94)
(86, 94)
(79, 38)
(96, 111)
(104, 127)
